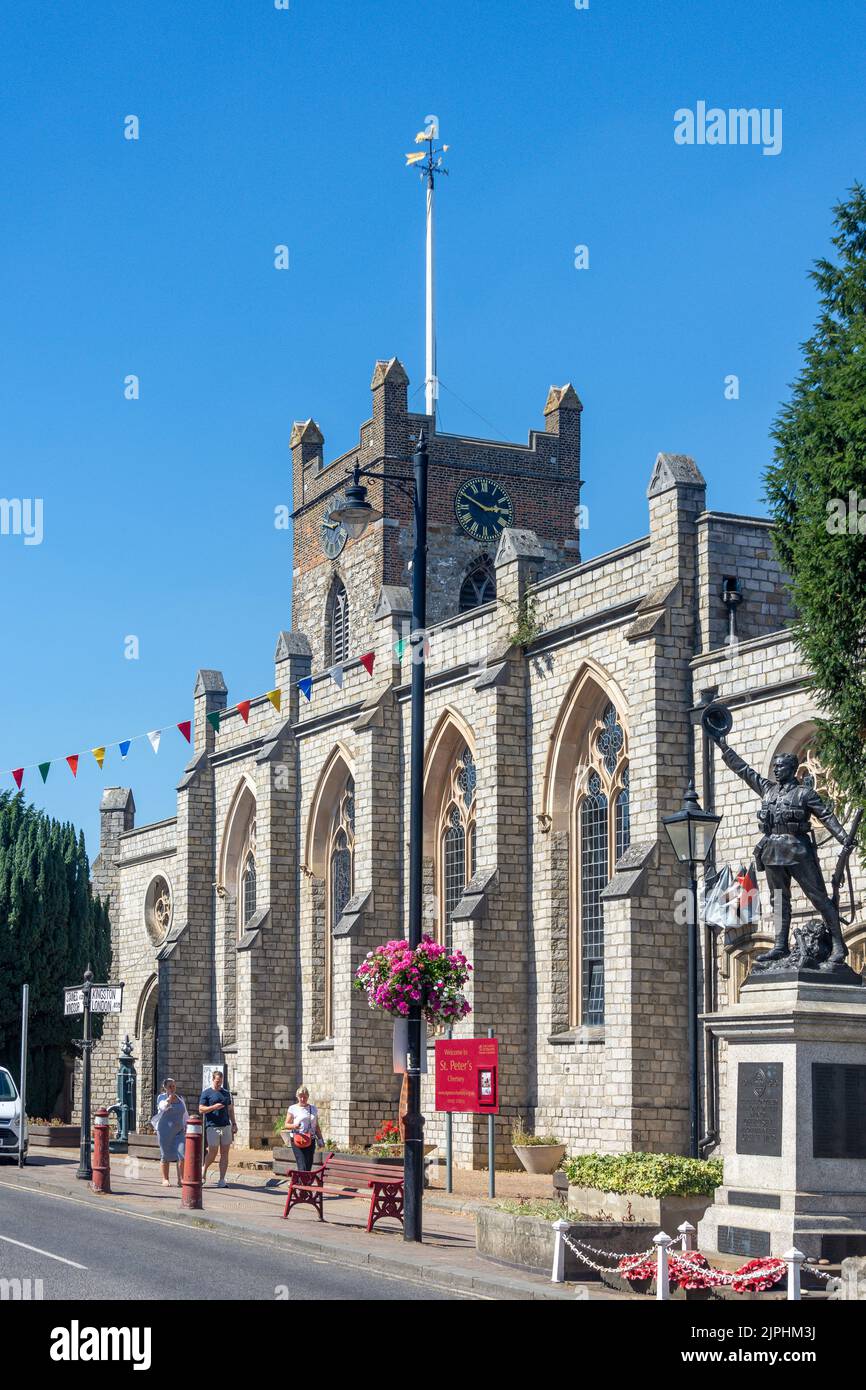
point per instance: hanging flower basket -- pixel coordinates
(393, 977)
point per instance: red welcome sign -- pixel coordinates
(467, 1075)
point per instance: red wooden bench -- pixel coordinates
(346, 1177)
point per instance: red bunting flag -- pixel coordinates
(185, 726)
(243, 709)
(18, 774)
(367, 662)
(73, 764)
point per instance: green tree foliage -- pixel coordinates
(817, 492)
(51, 925)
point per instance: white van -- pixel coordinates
(13, 1125)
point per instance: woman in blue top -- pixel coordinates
(170, 1125)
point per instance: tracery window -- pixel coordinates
(601, 822)
(456, 840)
(338, 629)
(248, 876)
(341, 854)
(478, 587)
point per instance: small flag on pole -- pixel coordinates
(99, 755)
(185, 727)
(18, 774)
(415, 157)
(73, 764)
(306, 686)
(154, 736)
(275, 698)
(367, 662)
(243, 709)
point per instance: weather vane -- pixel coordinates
(429, 164)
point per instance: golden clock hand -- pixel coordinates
(331, 525)
(497, 508)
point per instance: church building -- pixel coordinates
(562, 725)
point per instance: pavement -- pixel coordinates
(248, 1213)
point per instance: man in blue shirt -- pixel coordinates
(215, 1104)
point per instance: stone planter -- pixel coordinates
(527, 1242)
(662, 1213)
(540, 1158)
(144, 1146)
(55, 1136)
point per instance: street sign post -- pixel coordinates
(88, 999)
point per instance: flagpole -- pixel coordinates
(431, 383)
(429, 165)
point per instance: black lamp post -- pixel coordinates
(691, 831)
(356, 514)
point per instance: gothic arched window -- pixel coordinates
(341, 853)
(338, 626)
(248, 890)
(478, 587)
(456, 840)
(601, 824)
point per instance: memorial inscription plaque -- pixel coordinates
(838, 1110)
(759, 1108)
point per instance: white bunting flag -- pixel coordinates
(155, 735)
(336, 674)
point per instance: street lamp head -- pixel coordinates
(692, 830)
(355, 513)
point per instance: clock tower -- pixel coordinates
(477, 488)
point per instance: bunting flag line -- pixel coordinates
(400, 647)
(184, 727)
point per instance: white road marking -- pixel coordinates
(36, 1251)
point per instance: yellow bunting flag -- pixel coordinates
(275, 697)
(99, 755)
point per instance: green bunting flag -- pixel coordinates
(400, 647)
(214, 720)
(43, 768)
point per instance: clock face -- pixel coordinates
(483, 509)
(334, 536)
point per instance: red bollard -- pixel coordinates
(191, 1194)
(101, 1181)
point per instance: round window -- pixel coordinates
(157, 910)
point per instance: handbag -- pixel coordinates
(302, 1141)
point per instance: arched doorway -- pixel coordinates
(147, 1030)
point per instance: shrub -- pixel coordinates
(521, 1136)
(646, 1175)
(533, 1206)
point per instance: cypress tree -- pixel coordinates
(816, 488)
(51, 925)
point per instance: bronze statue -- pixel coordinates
(787, 850)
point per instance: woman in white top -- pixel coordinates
(303, 1120)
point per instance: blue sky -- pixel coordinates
(261, 126)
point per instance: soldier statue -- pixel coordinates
(787, 850)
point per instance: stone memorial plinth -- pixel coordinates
(793, 1120)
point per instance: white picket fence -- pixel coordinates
(661, 1248)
